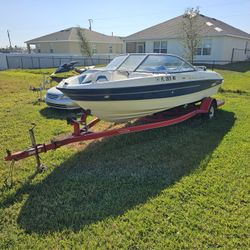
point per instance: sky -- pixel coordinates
(27, 19)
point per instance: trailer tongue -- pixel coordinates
(82, 132)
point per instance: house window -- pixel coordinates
(38, 47)
(207, 44)
(246, 47)
(160, 46)
(94, 50)
(164, 46)
(51, 48)
(157, 47)
(110, 49)
(198, 51)
(204, 48)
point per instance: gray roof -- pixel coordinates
(70, 34)
(173, 29)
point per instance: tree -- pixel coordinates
(84, 43)
(191, 32)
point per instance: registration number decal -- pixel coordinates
(166, 78)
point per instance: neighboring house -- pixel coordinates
(67, 42)
(220, 41)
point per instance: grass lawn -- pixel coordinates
(179, 187)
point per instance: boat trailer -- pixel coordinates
(82, 132)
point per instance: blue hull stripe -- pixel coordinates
(141, 92)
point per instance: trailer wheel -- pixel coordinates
(211, 112)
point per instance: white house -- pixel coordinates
(219, 41)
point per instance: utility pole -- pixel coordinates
(9, 38)
(90, 22)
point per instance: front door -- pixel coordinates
(140, 47)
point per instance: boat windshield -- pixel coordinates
(116, 62)
(132, 62)
(164, 63)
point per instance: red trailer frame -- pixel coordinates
(82, 131)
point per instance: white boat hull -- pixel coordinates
(120, 111)
(140, 86)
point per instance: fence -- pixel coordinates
(29, 61)
(211, 64)
(32, 61)
(240, 55)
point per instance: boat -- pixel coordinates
(136, 85)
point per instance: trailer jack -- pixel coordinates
(40, 167)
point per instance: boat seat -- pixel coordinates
(101, 78)
(119, 75)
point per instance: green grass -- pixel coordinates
(179, 187)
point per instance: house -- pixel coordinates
(67, 42)
(219, 41)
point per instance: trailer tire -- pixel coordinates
(211, 112)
